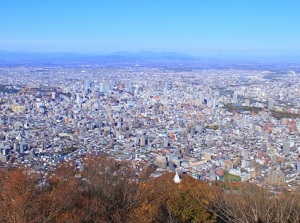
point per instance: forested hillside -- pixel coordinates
(106, 190)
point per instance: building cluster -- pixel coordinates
(211, 124)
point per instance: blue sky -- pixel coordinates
(195, 27)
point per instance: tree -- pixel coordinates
(112, 188)
(166, 201)
(287, 207)
(62, 198)
(255, 204)
(18, 195)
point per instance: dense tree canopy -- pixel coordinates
(106, 190)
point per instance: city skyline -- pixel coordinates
(198, 28)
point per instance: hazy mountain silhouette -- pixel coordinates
(20, 57)
(142, 58)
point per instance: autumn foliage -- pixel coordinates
(106, 190)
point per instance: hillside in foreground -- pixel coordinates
(106, 190)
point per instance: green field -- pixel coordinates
(231, 177)
(231, 108)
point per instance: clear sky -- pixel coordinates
(189, 26)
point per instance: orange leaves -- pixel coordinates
(164, 200)
(106, 190)
(17, 192)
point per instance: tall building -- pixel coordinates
(298, 167)
(87, 86)
(234, 98)
(166, 142)
(161, 161)
(270, 104)
(247, 102)
(275, 177)
(103, 88)
(274, 158)
(78, 98)
(286, 148)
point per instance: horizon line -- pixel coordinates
(208, 52)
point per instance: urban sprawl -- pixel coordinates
(213, 124)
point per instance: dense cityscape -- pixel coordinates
(149, 111)
(212, 124)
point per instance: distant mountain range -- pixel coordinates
(152, 55)
(8, 57)
(142, 58)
